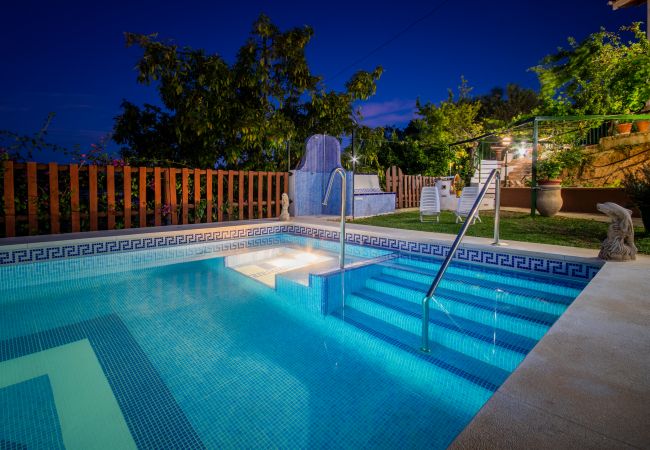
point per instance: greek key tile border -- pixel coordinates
(556, 267)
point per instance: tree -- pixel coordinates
(451, 121)
(500, 107)
(600, 75)
(238, 115)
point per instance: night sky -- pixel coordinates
(69, 57)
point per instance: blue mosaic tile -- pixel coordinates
(154, 418)
(29, 416)
(522, 262)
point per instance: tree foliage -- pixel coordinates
(600, 75)
(501, 107)
(423, 147)
(239, 114)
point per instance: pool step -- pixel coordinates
(514, 295)
(563, 289)
(471, 369)
(519, 320)
(497, 347)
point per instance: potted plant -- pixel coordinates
(549, 194)
(624, 128)
(637, 187)
(642, 126)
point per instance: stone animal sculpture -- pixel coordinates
(284, 215)
(619, 245)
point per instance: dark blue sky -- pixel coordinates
(69, 57)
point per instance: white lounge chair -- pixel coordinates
(429, 203)
(465, 203)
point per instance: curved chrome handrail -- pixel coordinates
(452, 251)
(341, 172)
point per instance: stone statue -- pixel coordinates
(619, 245)
(284, 215)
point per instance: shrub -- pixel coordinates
(637, 186)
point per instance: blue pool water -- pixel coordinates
(179, 350)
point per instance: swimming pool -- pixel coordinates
(191, 345)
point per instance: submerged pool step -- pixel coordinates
(526, 322)
(565, 290)
(492, 346)
(482, 374)
(518, 296)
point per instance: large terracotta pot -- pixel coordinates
(624, 128)
(642, 126)
(549, 198)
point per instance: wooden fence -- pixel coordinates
(52, 198)
(407, 187)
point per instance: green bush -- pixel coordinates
(637, 186)
(549, 169)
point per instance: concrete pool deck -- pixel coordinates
(586, 384)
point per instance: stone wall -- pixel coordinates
(613, 157)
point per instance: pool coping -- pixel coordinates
(570, 389)
(16, 251)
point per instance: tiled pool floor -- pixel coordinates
(200, 356)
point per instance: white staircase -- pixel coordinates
(480, 175)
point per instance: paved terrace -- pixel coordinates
(586, 384)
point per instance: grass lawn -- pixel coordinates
(515, 227)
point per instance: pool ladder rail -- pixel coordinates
(340, 171)
(495, 174)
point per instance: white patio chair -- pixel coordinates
(429, 203)
(465, 203)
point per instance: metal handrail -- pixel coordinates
(344, 194)
(452, 251)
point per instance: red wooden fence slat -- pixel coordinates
(197, 195)
(388, 181)
(55, 224)
(208, 195)
(75, 219)
(405, 179)
(157, 197)
(396, 186)
(142, 194)
(416, 198)
(278, 178)
(412, 190)
(231, 192)
(400, 187)
(286, 183)
(240, 192)
(220, 195)
(251, 181)
(10, 206)
(92, 196)
(260, 187)
(110, 197)
(417, 190)
(172, 196)
(127, 197)
(404, 189)
(185, 177)
(269, 193)
(32, 198)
